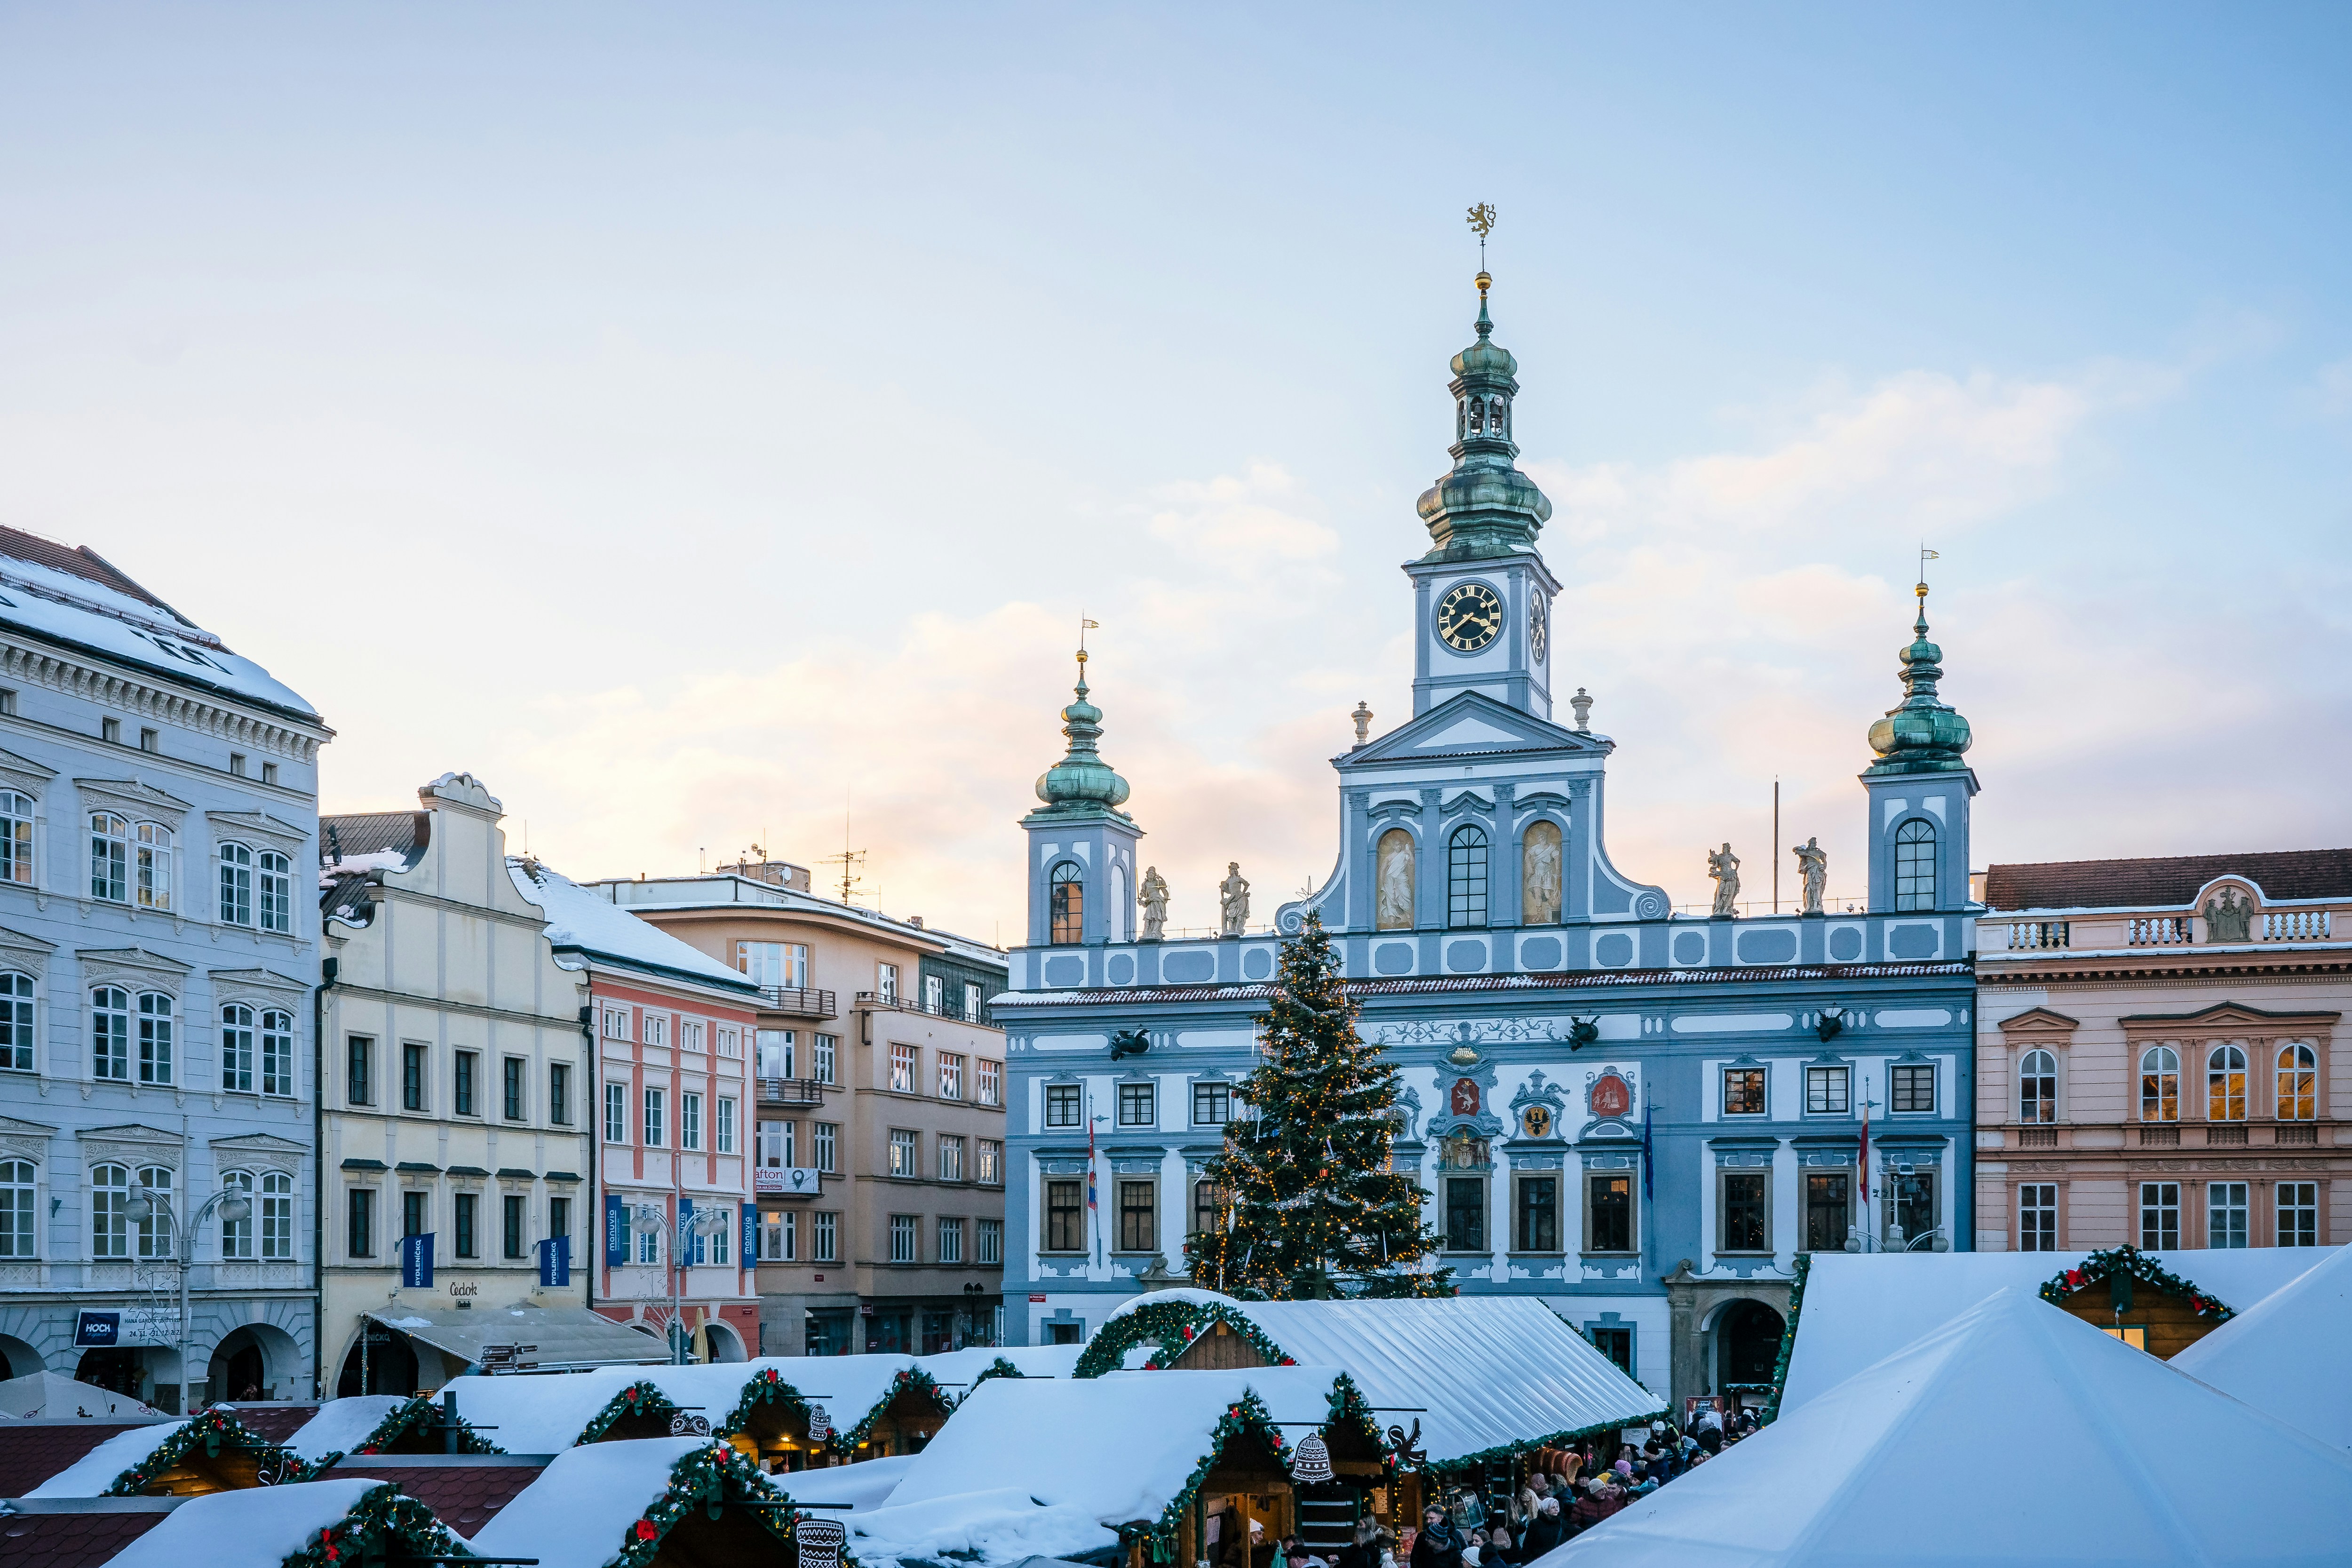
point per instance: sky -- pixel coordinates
(708, 424)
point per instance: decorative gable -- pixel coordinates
(23, 773)
(2040, 1024)
(132, 798)
(1472, 724)
(283, 836)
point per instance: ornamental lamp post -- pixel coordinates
(144, 1205)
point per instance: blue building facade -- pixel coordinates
(1552, 1017)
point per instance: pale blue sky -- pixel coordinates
(686, 415)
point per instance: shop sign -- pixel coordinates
(785, 1181)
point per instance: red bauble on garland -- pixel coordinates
(646, 1531)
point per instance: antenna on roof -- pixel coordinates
(849, 859)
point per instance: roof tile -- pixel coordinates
(2166, 881)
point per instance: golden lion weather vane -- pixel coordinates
(1482, 222)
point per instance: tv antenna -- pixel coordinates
(849, 859)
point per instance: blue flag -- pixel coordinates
(1646, 1183)
(417, 1262)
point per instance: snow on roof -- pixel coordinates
(539, 1414)
(1489, 1371)
(2288, 1355)
(1858, 1307)
(54, 1394)
(342, 1425)
(577, 918)
(90, 1475)
(2118, 1466)
(865, 1486)
(1119, 1448)
(850, 1387)
(71, 607)
(1003, 1525)
(579, 1513)
(956, 1370)
(256, 1528)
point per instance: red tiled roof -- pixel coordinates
(464, 1495)
(79, 560)
(33, 1451)
(76, 1540)
(274, 1421)
(2168, 881)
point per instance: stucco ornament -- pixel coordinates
(1724, 867)
(1539, 875)
(2229, 916)
(1232, 899)
(1393, 884)
(1813, 866)
(1153, 897)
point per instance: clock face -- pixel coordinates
(1538, 627)
(1469, 616)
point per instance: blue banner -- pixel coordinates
(417, 1262)
(616, 1232)
(690, 1247)
(555, 1262)
(749, 1253)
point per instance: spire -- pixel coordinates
(1923, 733)
(1081, 783)
(1484, 506)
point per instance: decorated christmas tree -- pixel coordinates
(1307, 1203)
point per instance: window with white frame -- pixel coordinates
(2037, 1087)
(2159, 1217)
(277, 1216)
(989, 1167)
(971, 1000)
(731, 1040)
(951, 1241)
(17, 1022)
(2225, 1213)
(109, 1211)
(2225, 1086)
(235, 885)
(951, 1157)
(885, 982)
(18, 1192)
(2037, 1217)
(110, 1033)
(935, 993)
(2298, 1213)
(2298, 1083)
(781, 964)
(826, 1045)
(655, 1126)
(15, 838)
(155, 1018)
(110, 858)
(826, 1240)
(991, 1239)
(1915, 865)
(902, 1069)
(657, 1029)
(237, 1234)
(273, 890)
(905, 1238)
(276, 1051)
(690, 1120)
(649, 1243)
(236, 1042)
(152, 1235)
(151, 855)
(776, 1053)
(724, 1129)
(951, 1076)
(780, 1236)
(775, 1145)
(905, 1153)
(616, 1023)
(689, 1034)
(2159, 1084)
(826, 1137)
(616, 1113)
(722, 1242)
(991, 1091)
(1827, 1092)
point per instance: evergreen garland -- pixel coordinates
(1000, 1367)
(768, 1388)
(1788, 1340)
(639, 1399)
(218, 1428)
(1248, 1417)
(385, 1523)
(420, 1414)
(1313, 1206)
(912, 1377)
(2131, 1260)
(707, 1475)
(1172, 1325)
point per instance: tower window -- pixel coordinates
(1915, 866)
(1466, 877)
(1065, 897)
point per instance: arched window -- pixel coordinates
(277, 1052)
(2225, 1084)
(17, 1195)
(150, 844)
(15, 837)
(274, 882)
(1915, 866)
(154, 1037)
(2298, 1083)
(2159, 1084)
(1461, 417)
(1477, 417)
(235, 885)
(1539, 874)
(277, 1216)
(154, 1232)
(110, 1033)
(237, 1234)
(1497, 417)
(2037, 1087)
(110, 858)
(17, 1022)
(109, 1221)
(1465, 875)
(1065, 903)
(237, 1048)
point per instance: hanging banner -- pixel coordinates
(555, 1263)
(685, 1247)
(616, 1232)
(750, 1252)
(820, 1541)
(417, 1262)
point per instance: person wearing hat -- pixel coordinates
(1439, 1544)
(1548, 1529)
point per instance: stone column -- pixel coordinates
(1682, 1309)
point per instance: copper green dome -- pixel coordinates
(1924, 734)
(1484, 506)
(1081, 783)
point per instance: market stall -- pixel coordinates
(211, 1451)
(661, 1502)
(318, 1524)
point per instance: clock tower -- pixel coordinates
(1482, 596)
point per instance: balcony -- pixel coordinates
(2037, 1137)
(876, 1001)
(2032, 935)
(799, 1001)
(2158, 931)
(2299, 925)
(801, 1091)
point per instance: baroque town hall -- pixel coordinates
(1548, 1013)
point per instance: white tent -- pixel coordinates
(1859, 1306)
(53, 1394)
(1478, 1372)
(2290, 1353)
(2014, 1436)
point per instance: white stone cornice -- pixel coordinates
(60, 671)
(19, 951)
(280, 835)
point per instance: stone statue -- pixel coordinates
(1813, 865)
(1724, 867)
(1153, 897)
(1539, 875)
(1392, 882)
(1232, 899)
(2229, 916)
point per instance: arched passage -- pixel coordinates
(726, 1345)
(17, 1359)
(257, 1361)
(381, 1361)
(1747, 1346)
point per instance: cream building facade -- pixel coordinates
(2161, 1053)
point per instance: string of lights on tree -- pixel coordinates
(1311, 1207)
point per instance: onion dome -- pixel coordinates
(1081, 783)
(1924, 734)
(1484, 506)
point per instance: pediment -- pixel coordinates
(129, 1132)
(1472, 724)
(133, 793)
(17, 941)
(282, 835)
(24, 774)
(225, 981)
(2040, 1021)
(104, 961)
(2227, 1015)
(12, 1128)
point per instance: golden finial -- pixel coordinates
(1084, 625)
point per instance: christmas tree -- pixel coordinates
(1308, 1206)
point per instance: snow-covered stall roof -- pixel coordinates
(579, 923)
(342, 1426)
(265, 1526)
(97, 1470)
(956, 1370)
(1028, 1464)
(1918, 1460)
(540, 1415)
(1488, 1373)
(564, 1336)
(2290, 1353)
(854, 1389)
(1858, 1307)
(584, 1508)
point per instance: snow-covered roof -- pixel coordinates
(580, 921)
(1489, 1371)
(72, 608)
(1860, 1307)
(956, 1370)
(1119, 1448)
(2011, 1436)
(90, 1475)
(2290, 1353)
(580, 1511)
(342, 1425)
(259, 1527)
(566, 1337)
(539, 1414)
(850, 1387)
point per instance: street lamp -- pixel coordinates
(144, 1205)
(648, 1218)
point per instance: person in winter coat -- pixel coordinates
(1364, 1551)
(1439, 1544)
(1550, 1529)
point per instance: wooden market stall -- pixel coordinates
(665, 1502)
(211, 1452)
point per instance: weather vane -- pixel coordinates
(1084, 625)
(1926, 555)
(1482, 222)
